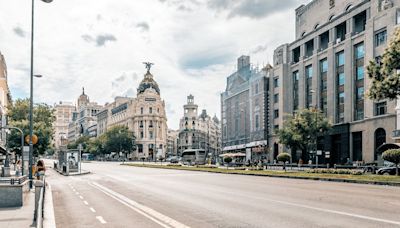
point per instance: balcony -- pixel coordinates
(396, 134)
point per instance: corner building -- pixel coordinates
(325, 68)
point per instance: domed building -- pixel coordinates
(144, 116)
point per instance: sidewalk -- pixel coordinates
(19, 216)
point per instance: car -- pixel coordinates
(173, 159)
(391, 170)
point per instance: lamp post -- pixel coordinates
(31, 95)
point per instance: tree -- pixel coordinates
(83, 140)
(119, 139)
(228, 160)
(283, 157)
(386, 75)
(393, 156)
(300, 132)
(43, 118)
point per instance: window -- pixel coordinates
(340, 58)
(398, 16)
(150, 110)
(151, 134)
(309, 71)
(324, 41)
(296, 55)
(324, 66)
(141, 110)
(276, 113)
(380, 108)
(341, 79)
(360, 73)
(276, 82)
(359, 51)
(359, 22)
(276, 98)
(380, 38)
(295, 90)
(309, 48)
(151, 123)
(141, 124)
(257, 122)
(380, 138)
(341, 98)
(141, 134)
(360, 93)
(256, 88)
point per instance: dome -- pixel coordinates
(148, 82)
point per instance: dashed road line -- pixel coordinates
(92, 209)
(100, 218)
(151, 214)
(85, 202)
(81, 197)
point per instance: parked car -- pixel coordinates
(391, 170)
(173, 159)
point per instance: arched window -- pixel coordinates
(380, 138)
(348, 7)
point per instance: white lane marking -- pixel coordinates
(85, 202)
(93, 210)
(155, 216)
(329, 211)
(77, 193)
(100, 218)
(81, 197)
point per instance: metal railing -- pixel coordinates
(39, 210)
(13, 180)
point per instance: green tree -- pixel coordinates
(393, 156)
(386, 76)
(299, 132)
(228, 160)
(119, 139)
(283, 157)
(83, 140)
(43, 118)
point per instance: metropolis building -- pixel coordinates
(144, 115)
(325, 68)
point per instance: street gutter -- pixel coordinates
(396, 184)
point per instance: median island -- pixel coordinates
(336, 175)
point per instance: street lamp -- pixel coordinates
(31, 95)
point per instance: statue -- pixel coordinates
(148, 66)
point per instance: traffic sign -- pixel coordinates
(26, 153)
(34, 139)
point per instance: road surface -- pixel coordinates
(122, 196)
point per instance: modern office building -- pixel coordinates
(245, 110)
(325, 68)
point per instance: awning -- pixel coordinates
(257, 143)
(387, 146)
(233, 155)
(234, 147)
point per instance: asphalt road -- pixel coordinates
(123, 196)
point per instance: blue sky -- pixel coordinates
(101, 44)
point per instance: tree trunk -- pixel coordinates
(397, 170)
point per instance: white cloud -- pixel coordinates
(101, 44)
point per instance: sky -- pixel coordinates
(101, 44)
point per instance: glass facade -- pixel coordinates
(309, 72)
(340, 96)
(324, 85)
(295, 90)
(359, 81)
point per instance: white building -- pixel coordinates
(63, 113)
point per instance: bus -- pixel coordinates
(194, 157)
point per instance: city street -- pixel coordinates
(122, 196)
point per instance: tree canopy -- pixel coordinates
(385, 75)
(43, 118)
(393, 156)
(300, 132)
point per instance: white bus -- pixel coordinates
(194, 157)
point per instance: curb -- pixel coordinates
(395, 184)
(73, 174)
(49, 218)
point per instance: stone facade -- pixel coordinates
(325, 67)
(63, 113)
(84, 119)
(5, 98)
(198, 131)
(245, 110)
(144, 115)
(172, 142)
